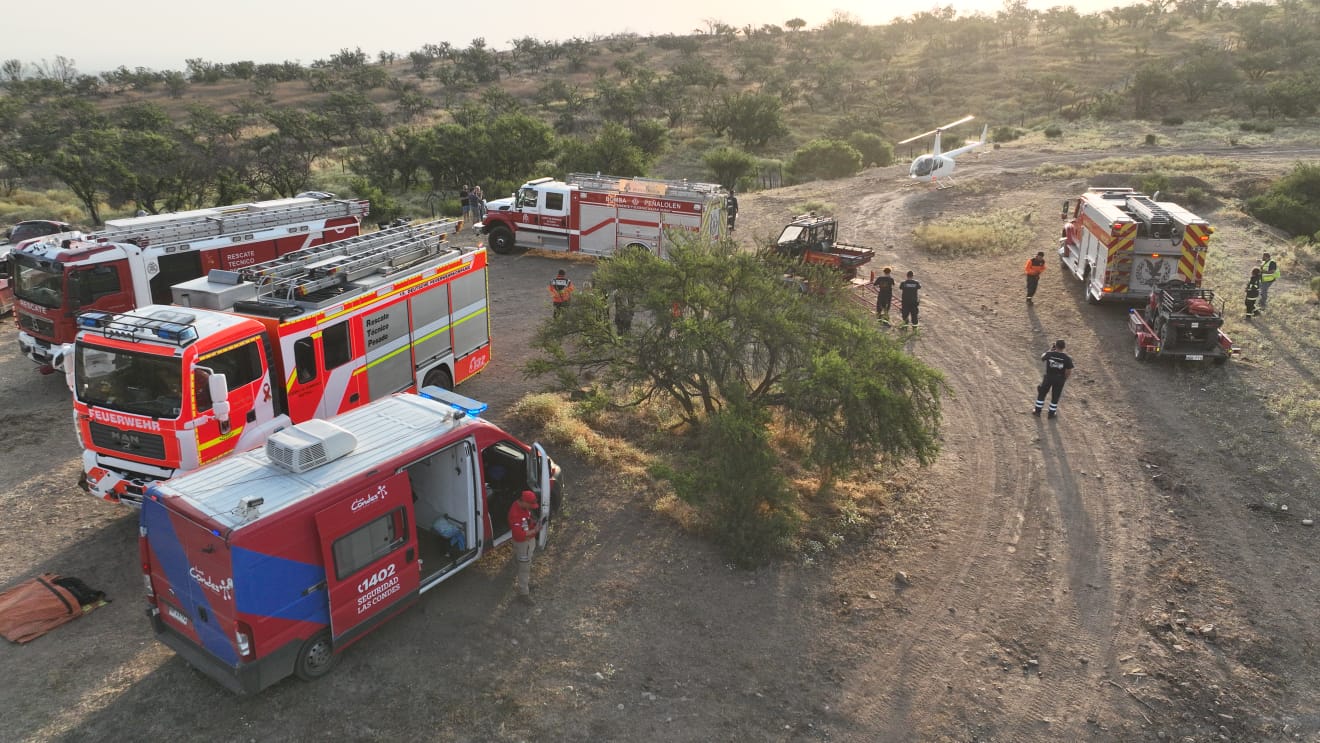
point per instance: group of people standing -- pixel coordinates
(1258, 286)
(473, 204)
(909, 302)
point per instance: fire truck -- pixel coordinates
(133, 262)
(602, 214)
(1123, 244)
(269, 563)
(164, 389)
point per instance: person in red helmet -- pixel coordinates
(525, 527)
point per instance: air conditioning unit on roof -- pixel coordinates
(309, 445)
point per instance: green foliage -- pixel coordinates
(384, 208)
(1005, 134)
(1315, 287)
(984, 233)
(1151, 139)
(1293, 202)
(873, 148)
(613, 150)
(1256, 126)
(739, 483)
(1172, 121)
(822, 159)
(751, 119)
(1053, 131)
(728, 165)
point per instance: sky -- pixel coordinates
(161, 34)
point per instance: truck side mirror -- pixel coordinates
(1065, 209)
(218, 386)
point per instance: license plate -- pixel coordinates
(1194, 357)
(177, 615)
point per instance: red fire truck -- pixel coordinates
(164, 389)
(133, 262)
(601, 214)
(1123, 244)
(270, 563)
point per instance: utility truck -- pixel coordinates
(133, 262)
(1182, 321)
(1123, 244)
(814, 239)
(164, 389)
(270, 563)
(602, 214)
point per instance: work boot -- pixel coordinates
(1053, 414)
(1036, 412)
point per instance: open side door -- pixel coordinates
(539, 472)
(369, 544)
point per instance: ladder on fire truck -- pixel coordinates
(240, 218)
(1158, 221)
(298, 276)
(649, 186)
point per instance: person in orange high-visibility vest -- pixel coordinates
(561, 291)
(1035, 267)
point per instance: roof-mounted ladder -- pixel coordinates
(205, 223)
(650, 186)
(303, 272)
(1158, 221)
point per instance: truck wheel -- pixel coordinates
(316, 658)
(1140, 352)
(439, 377)
(501, 240)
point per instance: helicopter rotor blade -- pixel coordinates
(963, 120)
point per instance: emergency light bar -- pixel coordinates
(465, 405)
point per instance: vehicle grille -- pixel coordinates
(39, 326)
(137, 443)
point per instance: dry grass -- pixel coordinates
(1180, 164)
(984, 233)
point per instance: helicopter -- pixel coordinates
(938, 164)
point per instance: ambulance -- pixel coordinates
(270, 563)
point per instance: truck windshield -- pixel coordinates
(128, 382)
(527, 198)
(39, 283)
(791, 234)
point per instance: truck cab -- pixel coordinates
(814, 239)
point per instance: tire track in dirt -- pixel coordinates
(1036, 512)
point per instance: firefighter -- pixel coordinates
(1269, 273)
(732, 209)
(525, 526)
(1058, 367)
(465, 204)
(907, 300)
(1035, 267)
(561, 291)
(884, 294)
(1253, 292)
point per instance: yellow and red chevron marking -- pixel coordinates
(1191, 266)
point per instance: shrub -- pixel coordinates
(1053, 132)
(1315, 287)
(1006, 134)
(1153, 182)
(1292, 203)
(875, 151)
(822, 159)
(1256, 126)
(1150, 140)
(1172, 121)
(1195, 196)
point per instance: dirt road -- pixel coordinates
(1121, 573)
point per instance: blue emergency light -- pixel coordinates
(174, 332)
(93, 320)
(465, 405)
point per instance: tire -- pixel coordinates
(1140, 352)
(501, 240)
(439, 377)
(316, 658)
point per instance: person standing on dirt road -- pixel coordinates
(465, 204)
(561, 291)
(1269, 273)
(908, 302)
(884, 294)
(1035, 267)
(1058, 367)
(1253, 292)
(525, 527)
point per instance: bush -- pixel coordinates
(1315, 287)
(1196, 196)
(1005, 134)
(1292, 203)
(1256, 126)
(1172, 121)
(1150, 140)
(1153, 182)
(875, 151)
(1053, 132)
(822, 159)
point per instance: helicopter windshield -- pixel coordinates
(923, 165)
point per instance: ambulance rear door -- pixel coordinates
(369, 544)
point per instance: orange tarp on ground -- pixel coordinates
(35, 607)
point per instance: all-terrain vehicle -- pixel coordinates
(1181, 320)
(813, 239)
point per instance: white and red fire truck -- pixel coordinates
(164, 389)
(270, 563)
(1123, 244)
(601, 214)
(133, 262)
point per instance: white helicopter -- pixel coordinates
(936, 165)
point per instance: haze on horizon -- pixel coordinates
(161, 34)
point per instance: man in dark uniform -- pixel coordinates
(907, 300)
(1058, 367)
(884, 295)
(732, 209)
